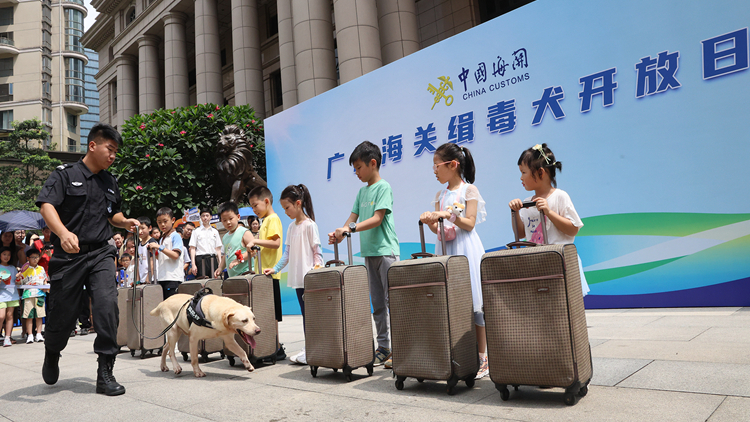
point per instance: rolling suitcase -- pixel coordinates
(535, 318)
(205, 347)
(255, 291)
(122, 309)
(338, 321)
(142, 300)
(432, 318)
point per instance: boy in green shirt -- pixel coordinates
(378, 242)
(269, 240)
(237, 238)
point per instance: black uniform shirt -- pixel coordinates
(83, 200)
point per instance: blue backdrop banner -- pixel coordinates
(644, 102)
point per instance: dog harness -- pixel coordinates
(194, 312)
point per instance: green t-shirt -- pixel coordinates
(233, 242)
(382, 240)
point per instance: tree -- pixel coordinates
(26, 168)
(167, 157)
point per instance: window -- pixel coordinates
(6, 92)
(72, 123)
(46, 38)
(191, 77)
(72, 145)
(277, 97)
(6, 67)
(47, 64)
(73, 30)
(223, 55)
(130, 16)
(6, 118)
(272, 19)
(6, 16)
(47, 116)
(74, 90)
(6, 38)
(47, 14)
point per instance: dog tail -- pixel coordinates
(156, 311)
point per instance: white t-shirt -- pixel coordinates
(171, 269)
(205, 240)
(143, 260)
(303, 243)
(560, 203)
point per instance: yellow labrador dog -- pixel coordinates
(227, 318)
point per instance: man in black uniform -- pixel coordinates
(78, 202)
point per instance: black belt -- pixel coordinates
(92, 247)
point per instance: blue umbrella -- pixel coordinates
(21, 220)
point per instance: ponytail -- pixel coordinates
(462, 155)
(294, 193)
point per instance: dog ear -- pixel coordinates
(227, 316)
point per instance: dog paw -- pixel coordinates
(177, 371)
(199, 374)
(249, 367)
(164, 368)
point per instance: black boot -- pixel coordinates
(50, 370)
(105, 381)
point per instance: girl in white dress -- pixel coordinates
(302, 250)
(454, 165)
(538, 167)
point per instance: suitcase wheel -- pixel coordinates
(400, 383)
(132, 353)
(335, 369)
(504, 393)
(583, 391)
(570, 399)
(231, 360)
(348, 373)
(314, 371)
(420, 380)
(143, 353)
(184, 356)
(205, 357)
(222, 355)
(452, 385)
(369, 369)
(470, 382)
(515, 387)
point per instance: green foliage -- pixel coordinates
(27, 169)
(168, 157)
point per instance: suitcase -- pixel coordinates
(535, 318)
(205, 347)
(338, 318)
(141, 325)
(432, 318)
(122, 309)
(255, 291)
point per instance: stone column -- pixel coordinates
(176, 85)
(357, 37)
(399, 35)
(315, 62)
(286, 53)
(208, 81)
(248, 68)
(149, 77)
(127, 89)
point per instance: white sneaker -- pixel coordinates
(6, 342)
(302, 358)
(39, 338)
(29, 339)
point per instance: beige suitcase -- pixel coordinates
(535, 318)
(338, 321)
(432, 319)
(255, 291)
(122, 308)
(205, 347)
(141, 325)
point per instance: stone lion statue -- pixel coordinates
(234, 160)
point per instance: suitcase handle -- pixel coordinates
(518, 243)
(336, 261)
(424, 253)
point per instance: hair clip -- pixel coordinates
(539, 148)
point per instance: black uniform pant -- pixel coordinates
(206, 265)
(70, 272)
